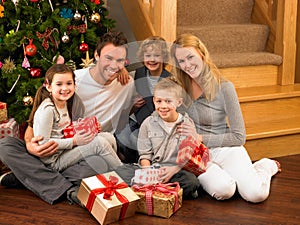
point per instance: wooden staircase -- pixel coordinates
(269, 98)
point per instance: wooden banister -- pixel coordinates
(152, 17)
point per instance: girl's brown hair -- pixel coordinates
(42, 93)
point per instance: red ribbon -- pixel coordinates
(2, 105)
(109, 190)
(167, 189)
(47, 35)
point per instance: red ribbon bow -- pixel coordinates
(109, 190)
(47, 35)
(80, 28)
(167, 189)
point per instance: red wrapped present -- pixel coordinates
(3, 112)
(192, 156)
(10, 128)
(107, 197)
(161, 200)
(145, 176)
(87, 124)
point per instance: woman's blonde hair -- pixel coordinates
(210, 81)
(155, 42)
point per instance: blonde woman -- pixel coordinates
(213, 105)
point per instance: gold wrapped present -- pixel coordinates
(3, 112)
(161, 200)
(107, 197)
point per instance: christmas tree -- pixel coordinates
(34, 34)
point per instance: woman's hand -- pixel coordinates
(167, 172)
(187, 129)
(43, 150)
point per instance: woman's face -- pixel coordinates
(189, 60)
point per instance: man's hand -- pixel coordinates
(43, 150)
(123, 76)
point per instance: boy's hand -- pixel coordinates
(167, 172)
(138, 102)
(43, 150)
(123, 76)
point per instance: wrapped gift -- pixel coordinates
(3, 112)
(143, 176)
(161, 200)
(10, 128)
(87, 124)
(192, 156)
(107, 197)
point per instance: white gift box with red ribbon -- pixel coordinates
(10, 128)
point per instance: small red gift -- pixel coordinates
(192, 156)
(3, 112)
(10, 128)
(87, 124)
(161, 200)
(107, 197)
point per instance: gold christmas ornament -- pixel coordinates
(28, 100)
(95, 17)
(87, 62)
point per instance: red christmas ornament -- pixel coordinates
(30, 49)
(83, 47)
(34, 0)
(35, 72)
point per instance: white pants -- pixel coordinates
(230, 168)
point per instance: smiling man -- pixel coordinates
(98, 88)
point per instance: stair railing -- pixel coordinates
(152, 17)
(281, 17)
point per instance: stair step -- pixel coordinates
(273, 128)
(272, 120)
(230, 38)
(203, 12)
(270, 111)
(268, 92)
(251, 76)
(228, 60)
(273, 147)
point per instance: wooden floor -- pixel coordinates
(282, 207)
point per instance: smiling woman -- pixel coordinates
(214, 107)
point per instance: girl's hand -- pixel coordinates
(187, 129)
(83, 138)
(167, 172)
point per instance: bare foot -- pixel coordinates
(278, 165)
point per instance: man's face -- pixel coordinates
(110, 62)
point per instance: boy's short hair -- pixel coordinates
(156, 42)
(169, 83)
